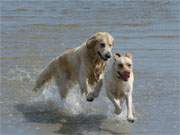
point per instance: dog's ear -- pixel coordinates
(91, 42)
(129, 55)
(116, 56)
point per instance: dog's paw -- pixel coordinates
(117, 111)
(90, 99)
(131, 119)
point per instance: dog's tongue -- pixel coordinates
(125, 76)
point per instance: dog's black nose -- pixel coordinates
(108, 55)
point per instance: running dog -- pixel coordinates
(84, 65)
(119, 83)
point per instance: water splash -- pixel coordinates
(19, 73)
(75, 103)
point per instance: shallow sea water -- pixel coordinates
(34, 32)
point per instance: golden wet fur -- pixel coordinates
(84, 65)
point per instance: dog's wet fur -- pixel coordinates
(84, 65)
(119, 83)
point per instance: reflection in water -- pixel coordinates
(68, 124)
(71, 124)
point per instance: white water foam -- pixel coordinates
(75, 103)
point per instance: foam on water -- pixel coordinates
(75, 103)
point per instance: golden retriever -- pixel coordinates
(84, 65)
(119, 83)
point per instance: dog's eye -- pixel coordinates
(102, 45)
(129, 65)
(110, 45)
(120, 65)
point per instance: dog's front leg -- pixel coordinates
(130, 116)
(83, 83)
(98, 88)
(84, 86)
(116, 103)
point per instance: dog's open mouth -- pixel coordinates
(100, 55)
(124, 76)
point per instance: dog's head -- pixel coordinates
(123, 66)
(101, 43)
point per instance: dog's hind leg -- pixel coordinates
(63, 87)
(43, 77)
(63, 92)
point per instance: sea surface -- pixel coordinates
(34, 32)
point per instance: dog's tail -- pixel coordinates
(45, 75)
